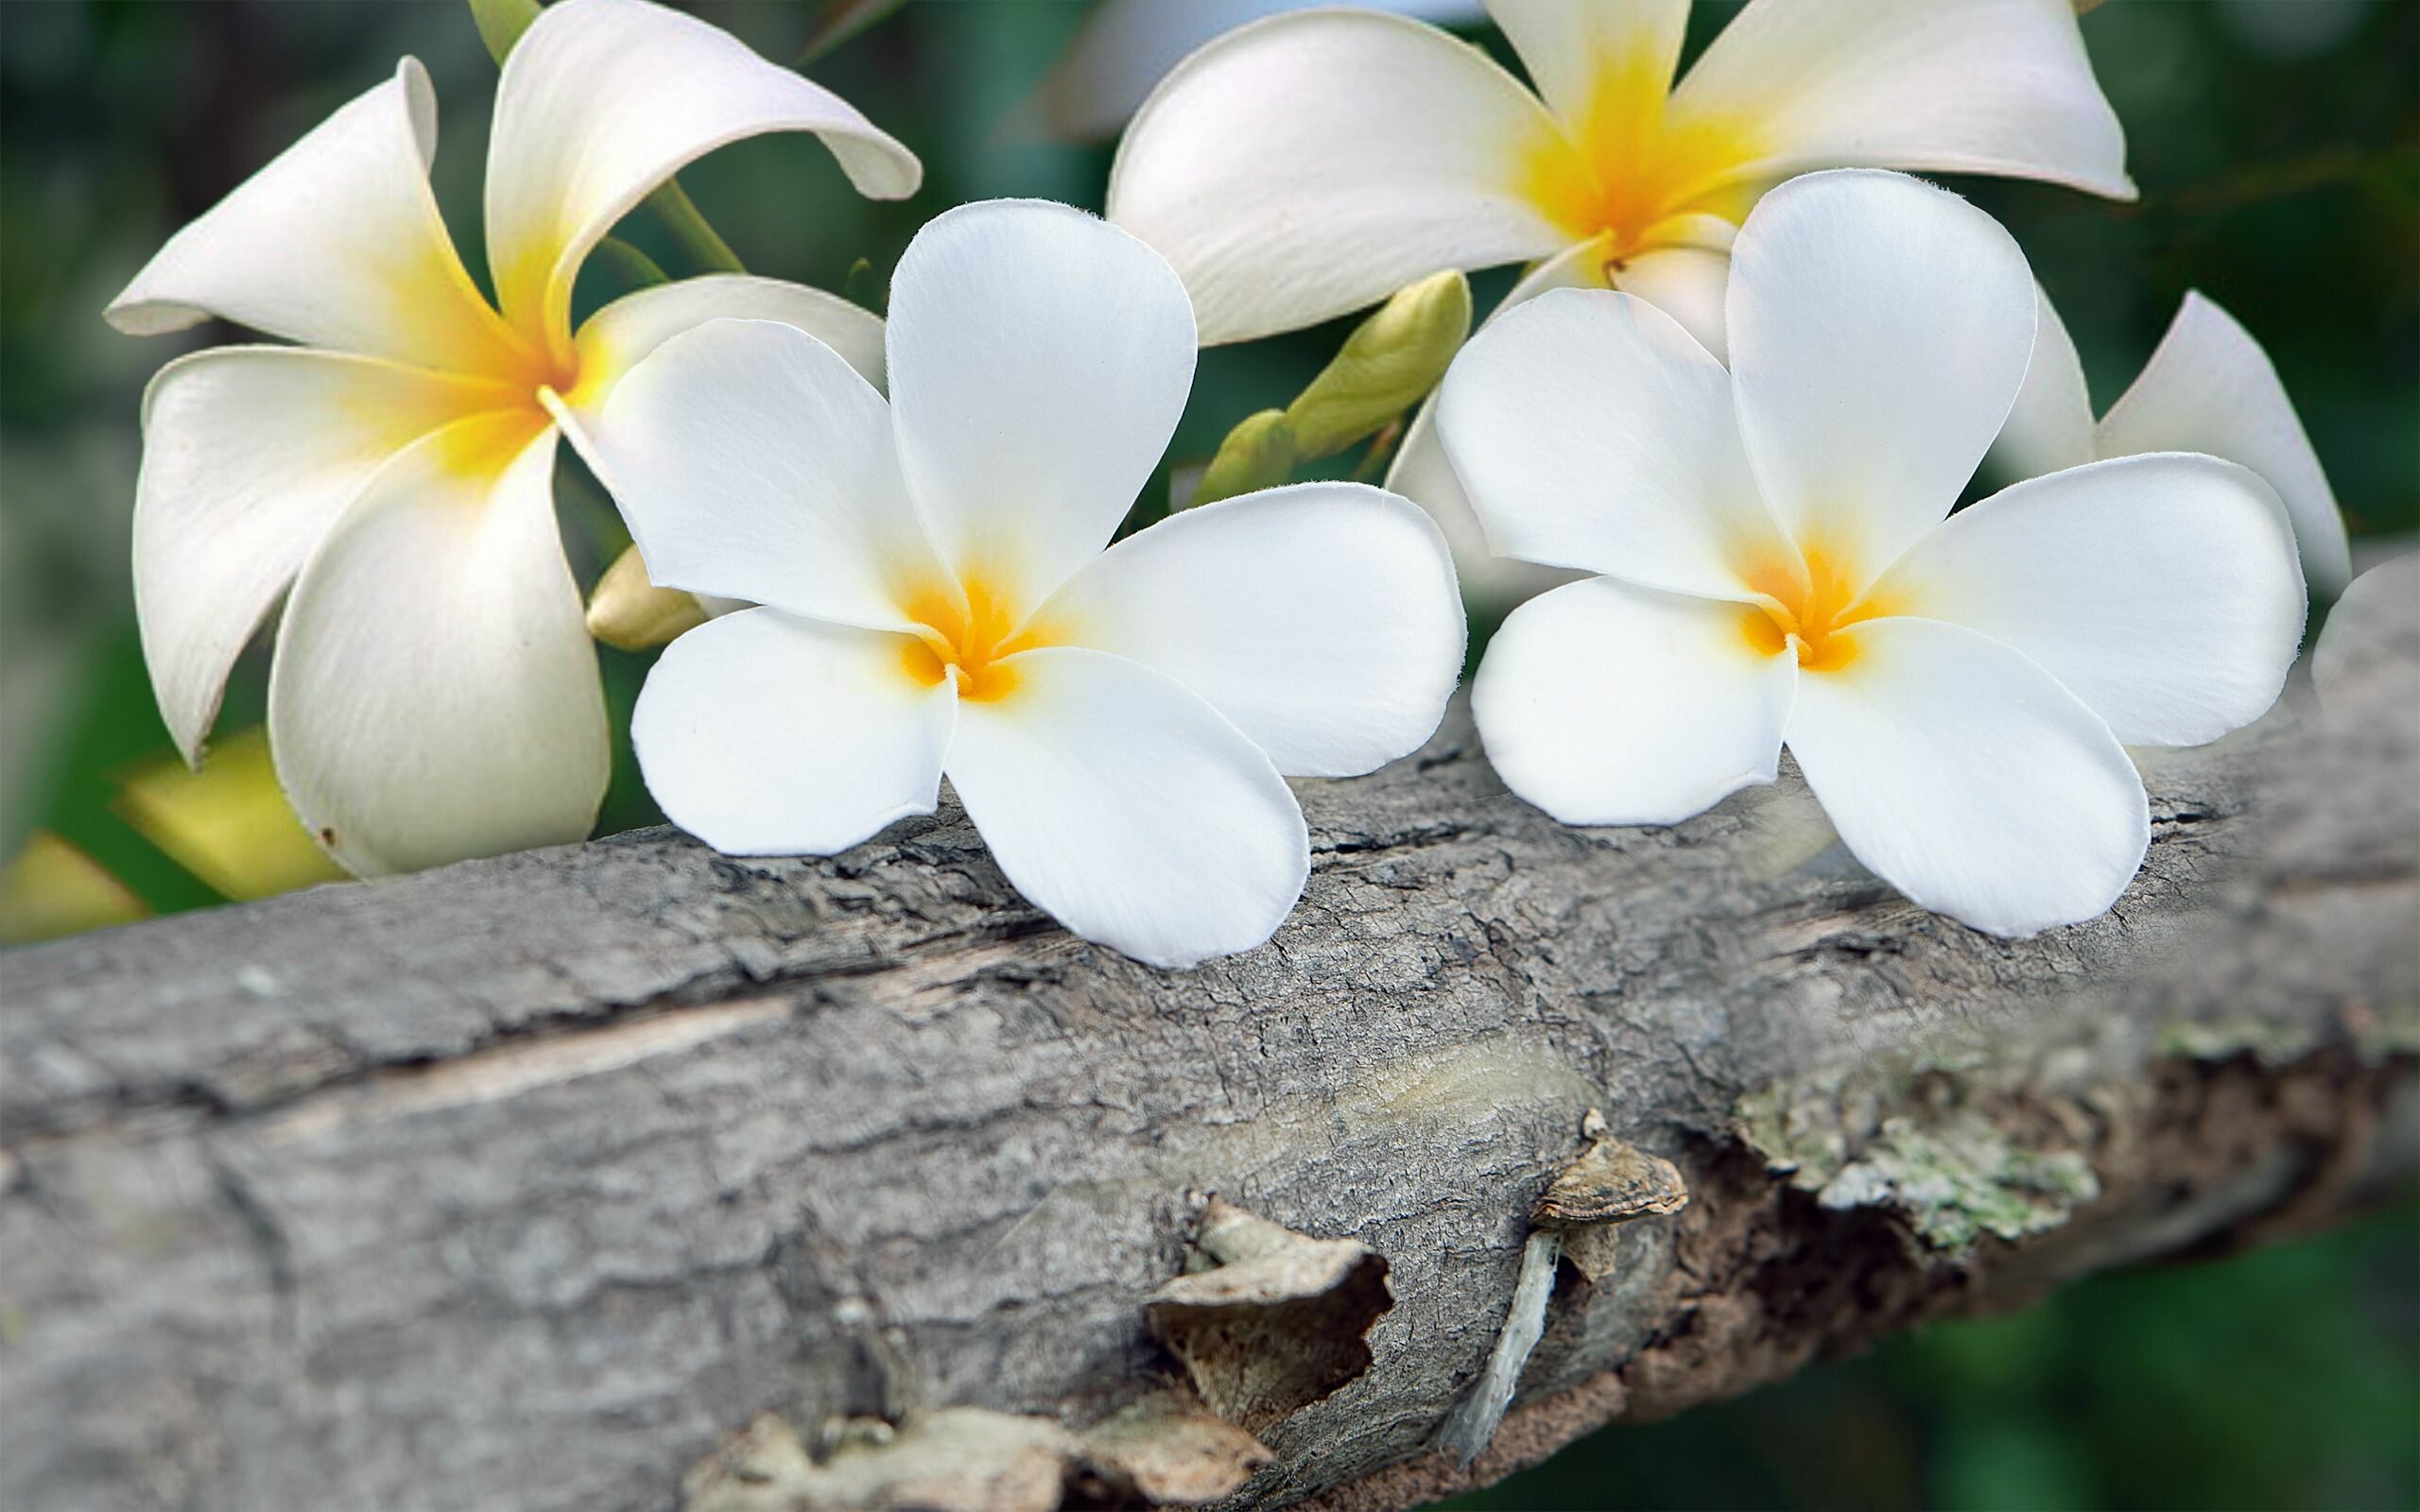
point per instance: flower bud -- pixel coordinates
(630, 613)
(1258, 454)
(1388, 364)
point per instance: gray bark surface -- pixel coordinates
(529, 1181)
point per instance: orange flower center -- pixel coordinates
(1628, 174)
(503, 400)
(969, 636)
(1809, 610)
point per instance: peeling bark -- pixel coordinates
(1272, 1321)
(532, 1182)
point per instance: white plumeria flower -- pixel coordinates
(1309, 164)
(435, 693)
(1783, 567)
(937, 601)
(2207, 387)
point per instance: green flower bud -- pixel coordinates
(1258, 454)
(1388, 364)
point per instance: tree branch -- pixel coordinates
(529, 1183)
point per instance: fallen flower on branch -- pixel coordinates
(938, 600)
(1782, 566)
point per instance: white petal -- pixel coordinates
(619, 336)
(1977, 86)
(1321, 619)
(1125, 46)
(1313, 163)
(1421, 472)
(2373, 633)
(2162, 591)
(751, 462)
(1963, 775)
(435, 692)
(1572, 50)
(1039, 359)
(1129, 809)
(603, 100)
(1593, 432)
(1879, 330)
(2209, 387)
(2051, 426)
(1685, 282)
(762, 733)
(337, 243)
(249, 456)
(1603, 703)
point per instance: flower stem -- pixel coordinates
(698, 240)
(629, 265)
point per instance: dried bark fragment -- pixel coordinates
(1474, 1420)
(1170, 1453)
(1276, 1320)
(1607, 1185)
(1164, 1450)
(1579, 1216)
(960, 1459)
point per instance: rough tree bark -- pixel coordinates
(530, 1182)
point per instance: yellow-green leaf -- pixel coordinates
(51, 889)
(501, 24)
(228, 823)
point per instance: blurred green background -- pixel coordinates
(2277, 146)
(2285, 1378)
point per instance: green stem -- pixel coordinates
(672, 206)
(629, 265)
(1373, 465)
(839, 20)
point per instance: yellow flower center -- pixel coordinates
(1627, 174)
(969, 634)
(547, 366)
(506, 362)
(1808, 609)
